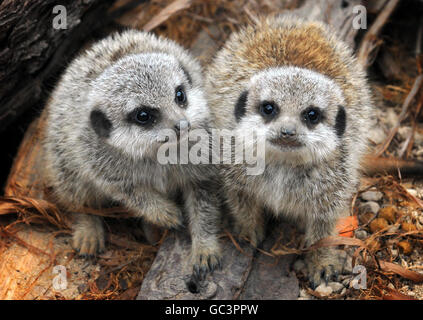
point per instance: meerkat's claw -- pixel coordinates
(88, 236)
(88, 245)
(205, 264)
(323, 267)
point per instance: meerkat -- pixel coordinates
(300, 87)
(103, 127)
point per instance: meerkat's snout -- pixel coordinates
(289, 131)
(287, 136)
(182, 125)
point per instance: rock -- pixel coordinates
(365, 218)
(324, 290)
(348, 265)
(299, 266)
(377, 135)
(369, 206)
(407, 227)
(244, 275)
(372, 195)
(344, 291)
(336, 286)
(378, 224)
(405, 132)
(405, 247)
(412, 192)
(391, 286)
(388, 213)
(421, 220)
(361, 234)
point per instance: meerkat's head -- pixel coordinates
(140, 96)
(299, 112)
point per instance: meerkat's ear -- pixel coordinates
(100, 123)
(241, 105)
(340, 121)
(187, 74)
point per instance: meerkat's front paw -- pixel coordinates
(323, 265)
(88, 236)
(205, 260)
(166, 214)
(254, 234)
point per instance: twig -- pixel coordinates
(414, 90)
(370, 41)
(166, 13)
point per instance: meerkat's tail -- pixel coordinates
(373, 165)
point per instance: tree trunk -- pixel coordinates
(32, 51)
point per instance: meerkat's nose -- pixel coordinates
(288, 131)
(182, 124)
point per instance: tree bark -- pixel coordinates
(33, 52)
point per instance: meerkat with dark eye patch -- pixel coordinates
(297, 85)
(104, 121)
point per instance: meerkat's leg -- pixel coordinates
(88, 234)
(153, 206)
(151, 232)
(249, 217)
(204, 222)
(323, 263)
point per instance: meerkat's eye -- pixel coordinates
(180, 96)
(312, 115)
(143, 117)
(268, 109)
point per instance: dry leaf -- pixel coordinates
(397, 269)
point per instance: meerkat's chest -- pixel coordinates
(288, 190)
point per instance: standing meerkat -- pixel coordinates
(103, 133)
(298, 86)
